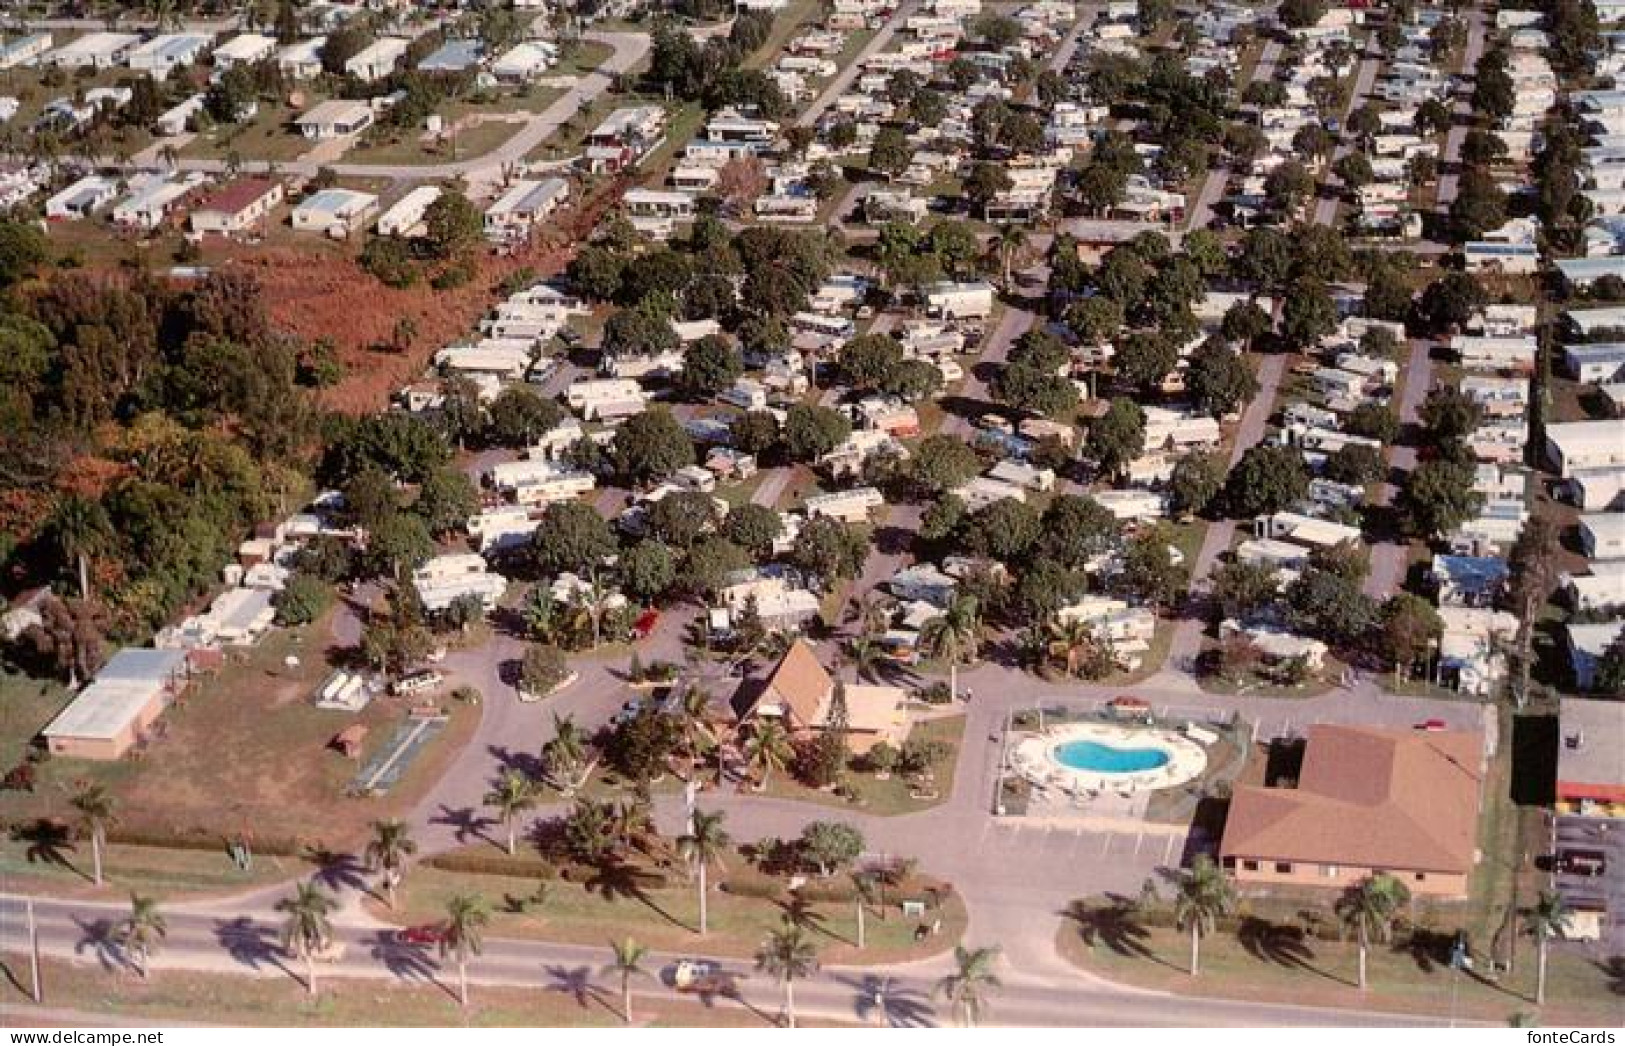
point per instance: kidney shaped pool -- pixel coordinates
(1098, 758)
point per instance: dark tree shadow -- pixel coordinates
(1280, 945)
(11, 975)
(412, 962)
(250, 943)
(616, 878)
(466, 824)
(100, 940)
(577, 983)
(1115, 925)
(48, 842)
(524, 762)
(881, 1001)
(1429, 949)
(1613, 968)
(800, 912)
(338, 871)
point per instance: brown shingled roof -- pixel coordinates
(1370, 798)
(238, 194)
(799, 684)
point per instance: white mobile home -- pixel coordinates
(405, 217)
(94, 51)
(162, 55)
(516, 212)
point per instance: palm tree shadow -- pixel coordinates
(878, 996)
(410, 962)
(100, 939)
(48, 842)
(799, 912)
(249, 943)
(1280, 945)
(617, 878)
(1429, 949)
(1613, 968)
(577, 983)
(12, 977)
(338, 871)
(1115, 925)
(465, 824)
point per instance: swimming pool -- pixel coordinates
(1089, 758)
(1108, 759)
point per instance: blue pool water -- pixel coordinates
(1105, 759)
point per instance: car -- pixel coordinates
(702, 976)
(646, 623)
(426, 934)
(628, 712)
(1433, 724)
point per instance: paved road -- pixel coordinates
(1477, 26)
(1326, 206)
(245, 945)
(1389, 561)
(1213, 186)
(854, 68)
(627, 50)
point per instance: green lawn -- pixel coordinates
(663, 913)
(1274, 962)
(170, 997)
(891, 796)
(245, 751)
(26, 707)
(152, 871)
(267, 137)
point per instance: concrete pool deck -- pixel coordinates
(1034, 758)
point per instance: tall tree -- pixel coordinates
(462, 935)
(626, 963)
(1532, 572)
(1547, 918)
(1370, 907)
(512, 796)
(387, 852)
(788, 955)
(140, 932)
(767, 749)
(967, 988)
(1202, 895)
(308, 928)
(703, 846)
(95, 806)
(955, 636)
(80, 530)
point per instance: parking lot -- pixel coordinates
(1590, 872)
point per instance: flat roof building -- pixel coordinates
(115, 709)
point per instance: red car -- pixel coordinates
(646, 623)
(1433, 724)
(419, 935)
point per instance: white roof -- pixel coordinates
(131, 680)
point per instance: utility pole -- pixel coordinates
(33, 956)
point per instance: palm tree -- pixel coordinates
(625, 963)
(1544, 920)
(694, 721)
(140, 933)
(512, 796)
(967, 987)
(866, 890)
(95, 806)
(1010, 240)
(954, 636)
(387, 851)
(80, 529)
(866, 656)
(466, 918)
(308, 929)
(1071, 642)
(767, 749)
(1370, 907)
(1203, 895)
(788, 954)
(703, 846)
(566, 751)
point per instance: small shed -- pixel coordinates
(348, 742)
